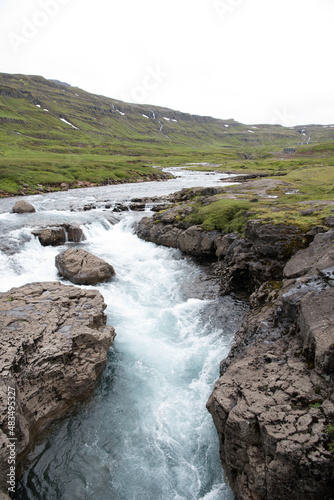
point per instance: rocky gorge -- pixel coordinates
(273, 405)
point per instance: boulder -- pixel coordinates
(197, 242)
(53, 347)
(23, 207)
(74, 233)
(58, 235)
(51, 236)
(82, 267)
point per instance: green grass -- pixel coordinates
(36, 147)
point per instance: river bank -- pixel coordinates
(272, 405)
(28, 190)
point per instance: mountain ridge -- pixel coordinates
(52, 132)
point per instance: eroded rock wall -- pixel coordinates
(275, 398)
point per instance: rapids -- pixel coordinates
(145, 433)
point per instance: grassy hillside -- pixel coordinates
(51, 133)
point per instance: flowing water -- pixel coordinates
(145, 434)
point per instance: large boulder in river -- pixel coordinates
(82, 267)
(23, 207)
(53, 346)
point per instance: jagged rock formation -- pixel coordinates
(274, 400)
(247, 262)
(23, 207)
(53, 344)
(83, 268)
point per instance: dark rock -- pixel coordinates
(307, 211)
(193, 241)
(162, 206)
(83, 268)
(58, 235)
(23, 207)
(119, 207)
(91, 206)
(329, 221)
(52, 236)
(74, 233)
(198, 242)
(137, 207)
(273, 401)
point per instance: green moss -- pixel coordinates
(316, 404)
(225, 215)
(330, 432)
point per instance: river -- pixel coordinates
(145, 433)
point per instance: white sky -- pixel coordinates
(257, 61)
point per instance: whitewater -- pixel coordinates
(145, 433)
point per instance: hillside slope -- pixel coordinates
(51, 133)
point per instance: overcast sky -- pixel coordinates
(257, 61)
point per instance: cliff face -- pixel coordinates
(274, 400)
(53, 344)
(273, 404)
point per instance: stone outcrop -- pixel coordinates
(260, 255)
(193, 240)
(82, 267)
(274, 400)
(53, 344)
(58, 235)
(23, 207)
(245, 262)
